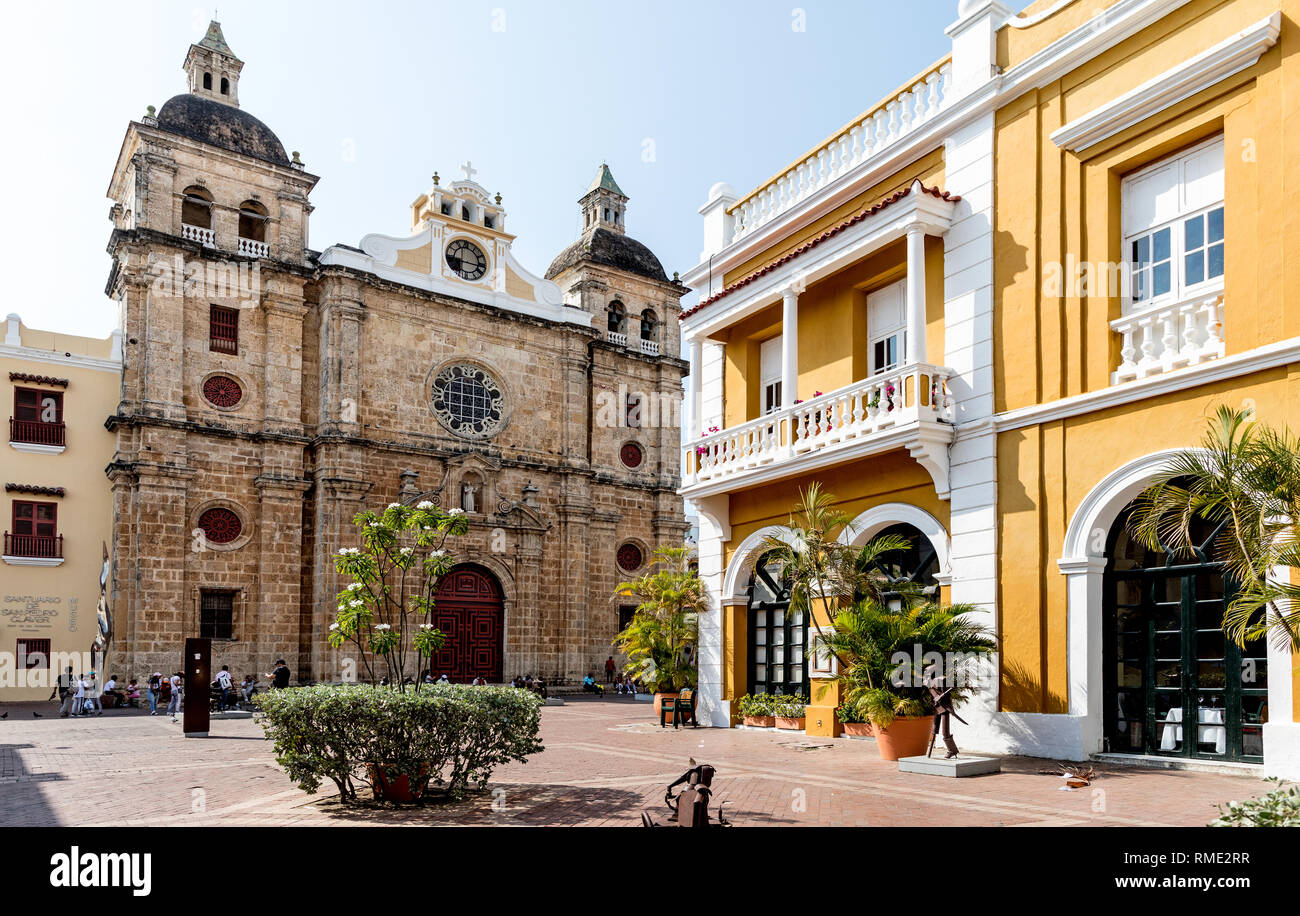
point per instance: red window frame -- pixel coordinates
(30, 524)
(223, 329)
(32, 411)
(31, 652)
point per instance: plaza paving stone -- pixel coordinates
(605, 761)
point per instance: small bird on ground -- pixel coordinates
(37, 714)
(5, 716)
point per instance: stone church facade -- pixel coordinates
(270, 392)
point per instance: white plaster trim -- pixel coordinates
(743, 559)
(1026, 22)
(53, 357)
(1229, 56)
(380, 257)
(1269, 356)
(32, 448)
(876, 519)
(33, 561)
(933, 214)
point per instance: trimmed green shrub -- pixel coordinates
(444, 737)
(1279, 808)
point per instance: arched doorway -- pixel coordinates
(469, 610)
(918, 565)
(776, 633)
(1166, 662)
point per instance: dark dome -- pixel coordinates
(221, 125)
(612, 249)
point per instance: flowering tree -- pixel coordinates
(387, 609)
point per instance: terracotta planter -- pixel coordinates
(760, 721)
(858, 729)
(790, 723)
(905, 737)
(394, 787)
(659, 702)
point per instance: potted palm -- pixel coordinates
(756, 710)
(661, 639)
(883, 652)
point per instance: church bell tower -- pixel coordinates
(213, 69)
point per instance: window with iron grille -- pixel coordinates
(223, 335)
(34, 654)
(216, 614)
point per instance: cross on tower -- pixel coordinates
(469, 170)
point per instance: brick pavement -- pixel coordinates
(605, 760)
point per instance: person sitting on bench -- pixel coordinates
(589, 685)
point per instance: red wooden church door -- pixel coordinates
(468, 609)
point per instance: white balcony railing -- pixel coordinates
(253, 249)
(864, 138)
(1165, 338)
(203, 236)
(614, 337)
(877, 406)
(650, 347)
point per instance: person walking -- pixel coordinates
(177, 682)
(224, 684)
(64, 687)
(79, 697)
(154, 688)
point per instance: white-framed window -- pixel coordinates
(769, 361)
(887, 326)
(1172, 215)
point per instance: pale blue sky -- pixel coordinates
(378, 95)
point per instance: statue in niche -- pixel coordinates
(469, 497)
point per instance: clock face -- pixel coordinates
(467, 259)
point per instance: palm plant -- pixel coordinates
(886, 650)
(1246, 476)
(819, 566)
(661, 639)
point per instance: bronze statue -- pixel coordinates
(944, 708)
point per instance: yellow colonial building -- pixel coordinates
(58, 507)
(982, 315)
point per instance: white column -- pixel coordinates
(694, 387)
(790, 344)
(916, 294)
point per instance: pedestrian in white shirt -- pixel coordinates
(177, 682)
(79, 697)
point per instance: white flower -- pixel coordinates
(407, 551)
(424, 504)
(437, 553)
(355, 586)
(347, 551)
(456, 511)
(394, 505)
(374, 524)
(426, 626)
(356, 604)
(383, 626)
(334, 626)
